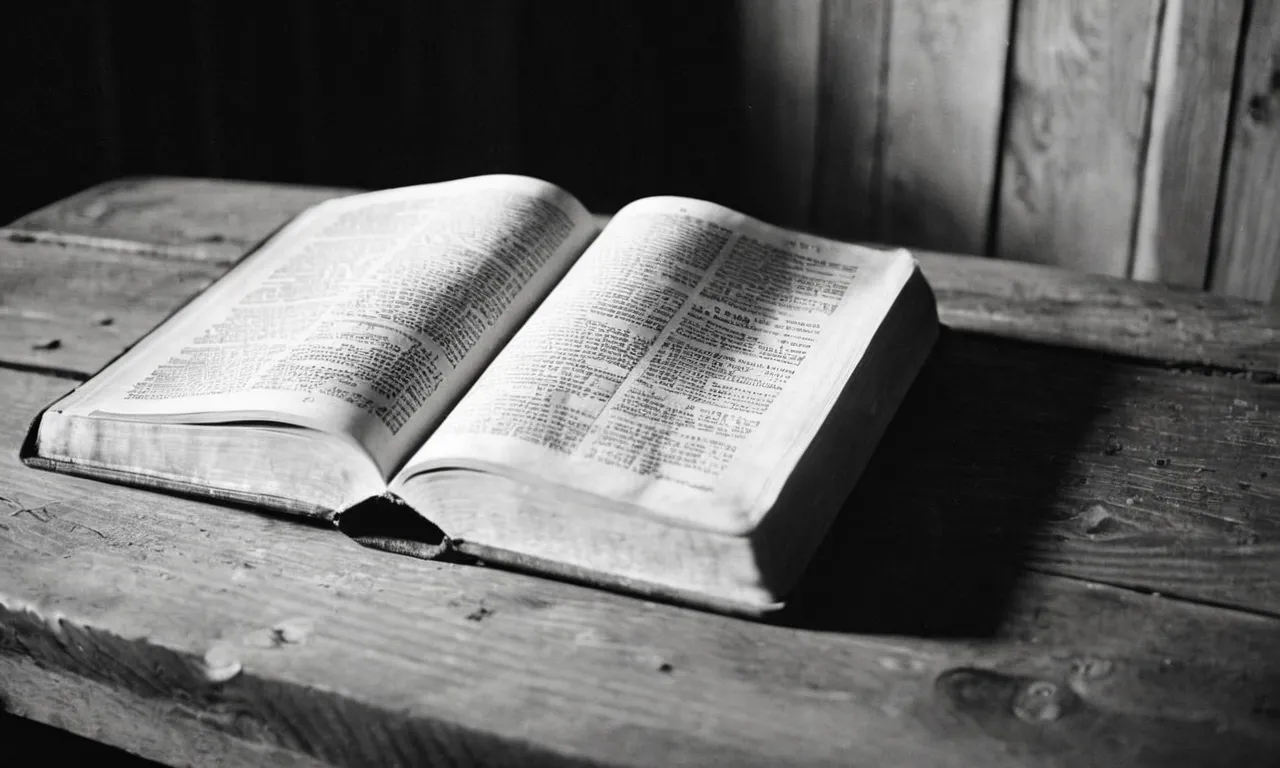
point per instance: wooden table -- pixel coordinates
(1066, 551)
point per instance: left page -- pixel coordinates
(366, 317)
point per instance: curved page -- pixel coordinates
(366, 317)
(681, 367)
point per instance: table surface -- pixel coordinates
(1066, 551)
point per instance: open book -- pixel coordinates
(676, 405)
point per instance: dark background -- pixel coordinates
(612, 101)
(1016, 129)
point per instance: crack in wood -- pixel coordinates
(188, 253)
(35, 512)
(251, 708)
(1162, 593)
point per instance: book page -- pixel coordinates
(367, 317)
(682, 365)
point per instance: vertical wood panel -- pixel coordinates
(846, 178)
(779, 46)
(1194, 71)
(1247, 262)
(942, 122)
(1076, 129)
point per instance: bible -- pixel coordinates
(675, 404)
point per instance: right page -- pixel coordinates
(681, 367)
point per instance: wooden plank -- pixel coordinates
(151, 727)
(1194, 71)
(1024, 301)
(196, 219)
(106, 300)
(1020, 300)
(1247, 261)
(270, 634)
(1018, 455)
(846, 177)
(779, 43)
(74, 309)
(1070, 309)
(942, 121)
(1076, 128)
(1065, 443)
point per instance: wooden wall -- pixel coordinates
(1127, 137)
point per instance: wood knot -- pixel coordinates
(1041, 701)
(1098, 521)
(1261, 105)
(975, 690)
(1091, 669)
(991, 696)
(220, 664)
(904, 664)
(288, 632)
(480, 613)
(1258, 109)
(53, 622)
(293, 631)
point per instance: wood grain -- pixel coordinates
(1009, 455)
(1050, 443)
(1194, 71)
(942, 122)
(194, 219)
(846, 184)
(1140, 320)
(1076, 129)
(106, 300)
(1029, 302)
(73, 309)
(779, 43)
(152, 727)
(1247, 261)
(1030, 463)
(392, 659)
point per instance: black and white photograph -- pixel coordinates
(640, 383)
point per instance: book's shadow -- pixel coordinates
(933, 539)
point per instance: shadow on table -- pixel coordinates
(55, 747)
(930, 542)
